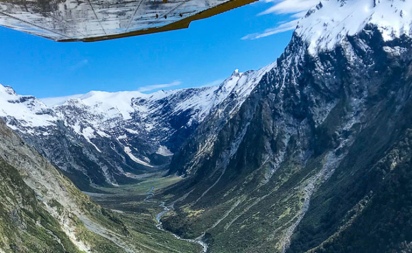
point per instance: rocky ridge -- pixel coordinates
(103, 138)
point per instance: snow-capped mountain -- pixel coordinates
(103, 137)
(318, 158)
(331, 21)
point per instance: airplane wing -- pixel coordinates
(94, 20)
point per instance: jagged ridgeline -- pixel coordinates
(109, 139)
(318, 158)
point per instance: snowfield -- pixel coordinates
(323, 31)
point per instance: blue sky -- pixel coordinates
(205, 53)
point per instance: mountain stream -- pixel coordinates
(168, 208)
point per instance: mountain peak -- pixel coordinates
(7, 90)
(236, 72)
(329, 22)
(10, 90)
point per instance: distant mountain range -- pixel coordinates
(105, 138)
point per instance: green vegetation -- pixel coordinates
(135, 208)
(156, 181)
(25, 226)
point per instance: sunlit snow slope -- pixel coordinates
(330, 21)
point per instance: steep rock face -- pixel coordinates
(307, 159)
(25, 225)
(42, 211)
(103, 138)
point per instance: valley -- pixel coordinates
(141, 206)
